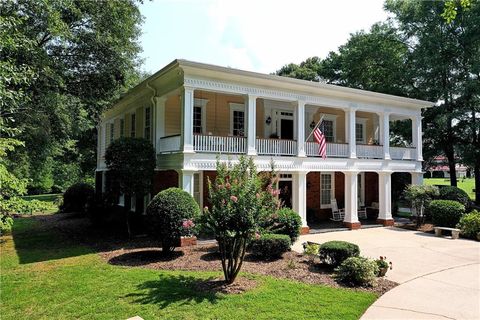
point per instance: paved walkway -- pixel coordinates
(439, 277)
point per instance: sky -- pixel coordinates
(261, 35)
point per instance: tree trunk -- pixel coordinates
(451, 165)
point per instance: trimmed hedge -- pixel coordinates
(357, 271)
(166, 214)
(446, 213)
(469, 225)
(284, 221)
(454, 193)
(78, 198)
(270, 246)
(335, 252)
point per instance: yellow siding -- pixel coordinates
(260, 118)
(116, 133)
(128, 117)
(370, 129)
(172, 116)
(139, 122)
(340, 123)
(107, 133)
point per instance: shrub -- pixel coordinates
(166, 214)
(6, 223)
(454, 193)
(357, 271)
(78, 198)
(446, 213)
(335, 252)
(420, 196)
(311, 249)
(469, 224)
(270, 246)
(284, 221)
(56, 189)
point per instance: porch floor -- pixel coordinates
(332, 226)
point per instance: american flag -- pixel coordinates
(322, 143)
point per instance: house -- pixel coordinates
(192, 112)
(439, 169)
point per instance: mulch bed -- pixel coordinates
(292, 265)
(426, 227)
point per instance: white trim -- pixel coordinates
(238, 107)
(332, 189)
(199, 176)
(361, 195)
(202, 104)
(121, 200)
(133, 203)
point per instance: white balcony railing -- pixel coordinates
(335, 150)
(169, 144)
(400, 153)
(216, 144)
(369, 151)
(276, 147)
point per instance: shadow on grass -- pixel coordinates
(144, 257)
(172, 289)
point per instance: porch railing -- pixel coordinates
(369, 151)
(216, 144)
(169, 144)
(336, 150)
(276, 147)
(401, 153)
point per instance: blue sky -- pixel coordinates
(260, 35)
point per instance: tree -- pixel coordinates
(236, 206)
(420, 196)
(130, 175)
(307, 70)
(62, 63)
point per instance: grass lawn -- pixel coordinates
(43, 197)
(465, 184)
(46, 276)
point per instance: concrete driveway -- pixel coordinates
(439, 277)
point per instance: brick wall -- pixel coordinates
(164, 180)
(371, 188)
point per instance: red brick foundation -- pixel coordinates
(386, 223)
(304, 230)
(187, 241)
(352, 225)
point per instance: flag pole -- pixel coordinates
(318, 123)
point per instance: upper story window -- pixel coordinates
(361, 131)
(148, 123)
(237, 119)
(122, 127)
(199, 116)
(133, 125)
(328, 131)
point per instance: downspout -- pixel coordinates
(153, 114)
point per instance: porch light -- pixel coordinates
(269, 120)
(312, 124)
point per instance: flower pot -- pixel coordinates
(382, 272)
(187, 241)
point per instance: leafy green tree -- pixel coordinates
(130, 175)
(307, 70)
(419, 196)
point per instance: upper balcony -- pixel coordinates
(212, 122)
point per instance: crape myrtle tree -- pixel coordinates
(131, 164)
(237, 205)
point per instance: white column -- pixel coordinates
(351, 197)
(417, 178)
(300, 195)
(385, 195)
(159, 120)
(187, 119)
(185, 180)
(386, 135)
(300, 128)
(417, 136)
(251, 124)
(352, 142)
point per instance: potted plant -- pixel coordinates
(383, 266)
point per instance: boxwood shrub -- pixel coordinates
(270, 246)
(357, 271)
(166, 214)
(284, 221)
(469, 224)
(335, 252)
(445, 213)
(454, 193)
(78, 198)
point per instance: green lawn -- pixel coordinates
(43, 197)
(466, 184)
(45, 276)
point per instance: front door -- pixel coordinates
(286, 129)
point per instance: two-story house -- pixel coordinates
(192, 112)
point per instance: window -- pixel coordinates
(148, 123)
(361, 130)
(327, 129)
(197, 120)
(121, 200)
(197, 188)
(112, 131)
(122, 127)
(326, 189)
(133, 125)
(237, 119)
(133, 203)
